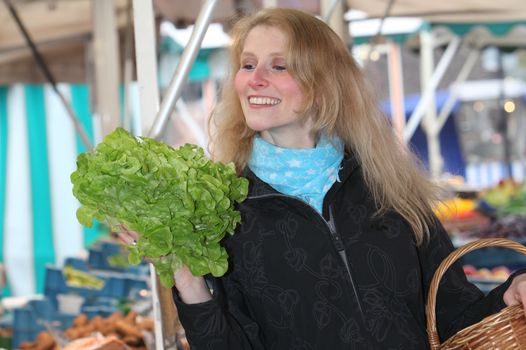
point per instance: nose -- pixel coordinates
(258, 78)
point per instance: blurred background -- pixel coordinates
(450, 75)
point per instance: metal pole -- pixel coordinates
(376, 37)
(106, 69)
(396, 89)
(418, 113)
(330, 11)
(453, 94)
(427, 65)
(49, 76)
(183, 68)
(146, 58)
(270, 3)
(190, 123)
(128, 65)
(502, 125)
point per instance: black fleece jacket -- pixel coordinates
(341, 280)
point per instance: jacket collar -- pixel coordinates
(258, 187)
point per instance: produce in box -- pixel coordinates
(180, 202)
(507, 197)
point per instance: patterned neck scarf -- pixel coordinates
(306, 173)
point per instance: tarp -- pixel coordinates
(38, 150)
(446, 11)
(504, 34)
(507, 35)
(62, 31)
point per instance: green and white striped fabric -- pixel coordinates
(38, 149)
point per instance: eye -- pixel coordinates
(248, 66)
(279, 64)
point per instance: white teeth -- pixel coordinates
(263, 101)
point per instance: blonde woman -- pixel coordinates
(338, 242)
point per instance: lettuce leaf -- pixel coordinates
(180, 202)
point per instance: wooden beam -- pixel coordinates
(66, 63)
(107, 68)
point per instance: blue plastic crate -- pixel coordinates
(494, 256)
(103, 306)
(103, 311)
(30, 320)
(134, 284)
(24, 320)
(22, 336)
(76, 263)
(54, 281)
(116, 285)
(6, 320)
(100, 252)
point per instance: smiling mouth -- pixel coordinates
(263, 101)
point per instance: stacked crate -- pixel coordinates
(119, 283)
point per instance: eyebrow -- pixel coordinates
(274, 54)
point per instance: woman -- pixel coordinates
(338, 242)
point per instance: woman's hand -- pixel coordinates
(126, 236)
(192, 290)
(516, 293)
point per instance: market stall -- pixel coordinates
(39, 145)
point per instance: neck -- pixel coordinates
(298, 141)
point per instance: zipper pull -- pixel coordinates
(334, 234)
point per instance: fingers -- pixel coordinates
(516, 293)
(126, 236)
(182, 273)
(191, 289)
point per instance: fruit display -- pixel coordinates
(78, 278)
(487, 279)
(499, 273)
(128, 330)
(460, 214)
(455, 208)
(497, 212)
(511, 226)
(97, 343)
(508, 197)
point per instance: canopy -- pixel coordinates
(63, 29)
(450, 11)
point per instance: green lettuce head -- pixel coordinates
(180, 202)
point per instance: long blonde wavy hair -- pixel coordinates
(336, 94)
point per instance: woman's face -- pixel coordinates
(269, 95)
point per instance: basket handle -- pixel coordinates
(432, 333)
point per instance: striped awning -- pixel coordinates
(38, 150)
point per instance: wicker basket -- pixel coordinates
(503, 330)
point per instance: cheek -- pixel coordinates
(293, 90)
(239, 83)
(297, 99)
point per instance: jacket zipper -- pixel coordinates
(335, 237)
(341, 250)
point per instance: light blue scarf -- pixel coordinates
(306, 173)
